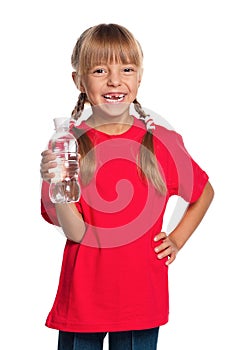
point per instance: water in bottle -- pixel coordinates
(64, 187)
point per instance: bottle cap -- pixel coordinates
(61, 122)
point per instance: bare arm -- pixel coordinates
(71, 221)
(178, 237)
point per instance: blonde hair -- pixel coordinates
(105, 43)
(111, 43)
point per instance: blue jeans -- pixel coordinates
(128, 340)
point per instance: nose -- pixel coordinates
(114, 78)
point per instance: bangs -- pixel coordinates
(108, 44)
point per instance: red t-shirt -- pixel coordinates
(113, 280)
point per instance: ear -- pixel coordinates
(77, 82)
(140, 76)
(74, 77)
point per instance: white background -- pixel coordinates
(188, 79)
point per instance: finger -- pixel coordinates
(166, 252)
(163, 246)
(48, 165)
(47, 177)
(171, 259)
(46, 172)
(160, 236)
(48, 158)
(46, 152)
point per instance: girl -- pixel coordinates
(115, 264)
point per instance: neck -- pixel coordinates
(111, 124)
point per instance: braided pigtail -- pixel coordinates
(148, 165)
(78, 109)
(139, 109)
(86, 148)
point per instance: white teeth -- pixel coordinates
(114, 98)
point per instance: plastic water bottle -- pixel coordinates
(64, 187)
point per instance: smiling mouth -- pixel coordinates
(114, 97)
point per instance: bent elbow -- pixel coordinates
(209, 192)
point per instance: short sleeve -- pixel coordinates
(184, 177)
(48, 210)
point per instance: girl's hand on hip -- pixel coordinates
(47, 163)
(167, 248)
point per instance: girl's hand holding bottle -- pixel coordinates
(48, 162)
(62, 158)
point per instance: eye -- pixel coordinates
(128, 70)
(99, 71)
